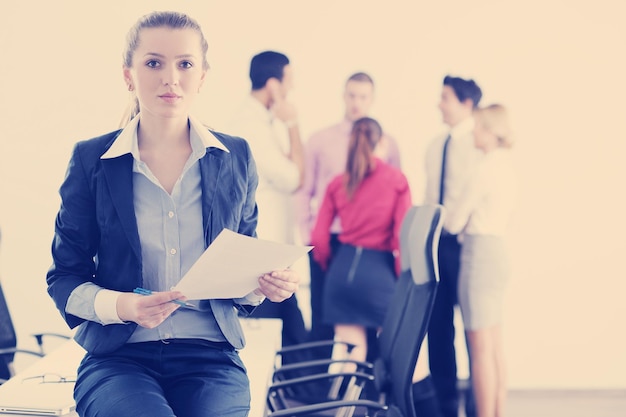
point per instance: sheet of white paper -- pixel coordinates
(232, 265)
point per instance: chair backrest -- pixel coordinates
(397, 306)
(8, 338)
(419, 282)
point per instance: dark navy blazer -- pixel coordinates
(96, 237)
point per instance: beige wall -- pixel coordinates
(558, 65)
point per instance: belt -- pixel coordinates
(201, 342)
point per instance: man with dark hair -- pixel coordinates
(326, 155)
(269, 122)
(449, 161)
(464, 89)
(265, 66)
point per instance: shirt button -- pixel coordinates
(173, 251)
(170, 214)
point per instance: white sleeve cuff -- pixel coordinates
(251, 299)
(105, 306)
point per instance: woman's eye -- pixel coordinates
(186, 64)
(152, 63)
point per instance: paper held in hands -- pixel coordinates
(232, 264)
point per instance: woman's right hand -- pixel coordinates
(147, 310)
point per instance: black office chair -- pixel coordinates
(400, 340)
(333, 388)
(8, 342)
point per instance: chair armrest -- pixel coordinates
(7, 357)
(279, 392)
(59, 335)
(304, 352)
(10, 351)
(318, 377)
(311, 345)
(39, 337)
(316, 408)
(361, 366)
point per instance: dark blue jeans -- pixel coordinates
(156, 379)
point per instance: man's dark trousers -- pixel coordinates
(441, 332)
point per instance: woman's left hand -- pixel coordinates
(277, 286)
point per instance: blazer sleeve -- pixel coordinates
(249, 214)
(247, 225)
(76, 237)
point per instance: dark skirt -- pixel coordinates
(358, 287)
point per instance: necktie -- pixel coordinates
(443, 169)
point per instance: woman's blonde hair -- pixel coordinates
(172, 20)
(495, 119)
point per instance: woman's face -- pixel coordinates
(167, 71)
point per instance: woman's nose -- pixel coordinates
(170, 77)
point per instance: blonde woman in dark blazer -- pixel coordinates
(138, 207)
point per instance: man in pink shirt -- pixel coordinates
(326, 153)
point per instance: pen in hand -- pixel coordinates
(143, 291)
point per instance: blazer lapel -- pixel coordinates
(119, 175)
(210, 171)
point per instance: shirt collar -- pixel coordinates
(346, 125)
(126, 141)
(462, 129)
(260, 108)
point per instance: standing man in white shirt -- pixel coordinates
(326, 154)
(269, 122)
(450, 160)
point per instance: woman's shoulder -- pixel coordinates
(336, 182)
(101, 140)
(391, 173)
(225, 136)
(232, 143)
(98, 145)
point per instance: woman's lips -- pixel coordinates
(169, 98)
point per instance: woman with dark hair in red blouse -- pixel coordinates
(370, 198)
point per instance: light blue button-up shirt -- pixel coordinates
(171, 235)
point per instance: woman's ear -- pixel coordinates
(202, 80)
(128, 79)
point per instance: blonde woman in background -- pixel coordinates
(481, 217)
